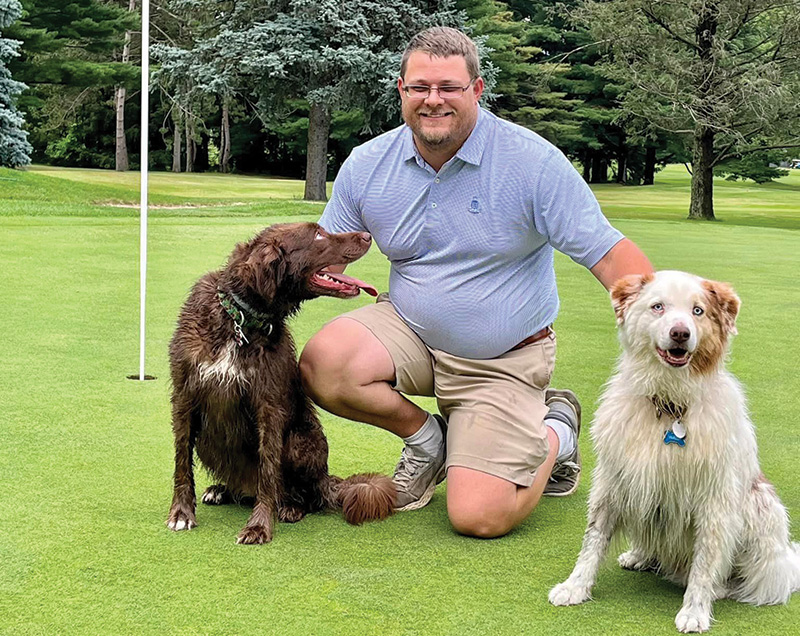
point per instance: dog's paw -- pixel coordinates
(216, 495)
(634, 560)
(181, 519)
(290, 514)
(255, 535)
(568, 594)
(692, 619)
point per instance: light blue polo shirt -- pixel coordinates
(471, 247)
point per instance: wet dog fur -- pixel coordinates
(702, 515)
(237, 400)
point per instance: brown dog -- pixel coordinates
(237, 398)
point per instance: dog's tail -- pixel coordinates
(362, 497)
(769, 568)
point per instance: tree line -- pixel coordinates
(289, 87)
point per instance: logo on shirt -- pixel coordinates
(475, 206)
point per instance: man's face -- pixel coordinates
(440, 124)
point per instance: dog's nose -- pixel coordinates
(365, 236)
(679, 333)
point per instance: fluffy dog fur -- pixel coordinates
(238, 400)
(702, 515)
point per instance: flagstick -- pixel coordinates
(144, 131)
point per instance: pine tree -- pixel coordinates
(14, 147)
(723, 74)
(66, 60)
(333, 54)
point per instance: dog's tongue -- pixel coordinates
(349, 280)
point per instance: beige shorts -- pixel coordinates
(494, 408)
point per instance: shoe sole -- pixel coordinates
(566, 492)
(426, 497)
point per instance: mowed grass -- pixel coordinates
(86, 455)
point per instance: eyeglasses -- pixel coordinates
(421, 91)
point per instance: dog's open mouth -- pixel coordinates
(339, 284)
(677, 357)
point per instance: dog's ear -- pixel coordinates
(268, 265)
(724, 302)
(625, 291)
(259, 265)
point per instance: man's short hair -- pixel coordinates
(444, 42)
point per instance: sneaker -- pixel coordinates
(416, 477)
(567, 473)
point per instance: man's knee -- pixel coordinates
(343, 356)
(323, 366)
(487, 523)
(480, 505)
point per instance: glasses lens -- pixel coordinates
(420, 92)
(449, 92)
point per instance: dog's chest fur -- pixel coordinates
(657, 488)
(223, 370)
(227, 433)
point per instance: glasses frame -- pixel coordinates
(434, 87)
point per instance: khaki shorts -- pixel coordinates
(494, 408)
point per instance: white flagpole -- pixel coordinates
(144, 131)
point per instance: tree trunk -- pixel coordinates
(622, 165)
(649, 166)
(190, 144)
(599, 168)
(225, 140)
(702, 204)
(176, 144)
(319, 124)
(121, 155)
(121, 163)
(587, 166)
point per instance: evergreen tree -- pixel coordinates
(516, 41)
(724, 74)
(333, 54)
(14, 147)
(67, 60)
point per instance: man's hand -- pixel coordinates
(622, 259)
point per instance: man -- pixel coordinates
(468, 208)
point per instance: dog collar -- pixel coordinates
(676, 433)
(243, 316)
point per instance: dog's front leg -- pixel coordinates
(715, 535)
(181, 513)
(270, 421)
(602, 524)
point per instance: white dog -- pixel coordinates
(677, 466)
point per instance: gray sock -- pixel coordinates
(427, 440)
(557, 420)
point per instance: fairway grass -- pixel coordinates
(86, 455)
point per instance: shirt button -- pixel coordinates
(433, 205)
(436, 180)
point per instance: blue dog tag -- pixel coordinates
(671, 438)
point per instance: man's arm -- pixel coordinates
(622, 259)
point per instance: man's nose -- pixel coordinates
(433, 97)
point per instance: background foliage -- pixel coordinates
(239, 84)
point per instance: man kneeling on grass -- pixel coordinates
(468, 208)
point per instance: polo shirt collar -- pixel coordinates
(470, 152)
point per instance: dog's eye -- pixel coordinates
(657, 307)
(698, 311)
(318, 236)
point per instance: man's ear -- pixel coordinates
(625, 291)
(724, 303)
